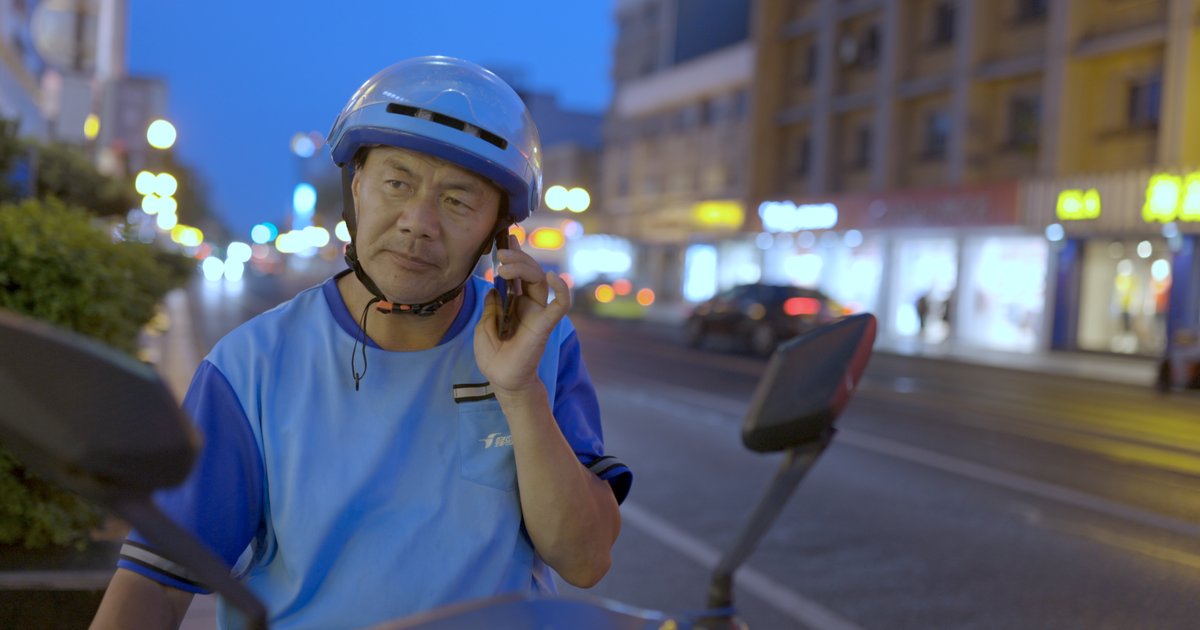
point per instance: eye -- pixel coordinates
(457, 204)
(397, 184)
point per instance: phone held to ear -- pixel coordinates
(508, 291)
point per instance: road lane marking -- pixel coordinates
(1015, 482)
(780, 597)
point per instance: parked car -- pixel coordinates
(761, 315)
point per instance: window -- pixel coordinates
(868, 47)
(1145, 102)
(937, 134)
(862, 148)
(810, 64)
(1024, 122)
(943, 24)
(802, 160)
(1030, 10)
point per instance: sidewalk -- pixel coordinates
(1125, 370)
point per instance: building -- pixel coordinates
(943, 163)
(20, 70)
(673, 168)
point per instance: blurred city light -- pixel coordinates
(1170, 230)
(187, 235)
(213, 268)
(806, 240)
(166, 220)
(238, 251)
(342, 232)
(161, 134)
(556, 198)
(700, 273)
(572, 229)
(802, 306)
(1160, 270)
(1162, 198)
(165, 184)
(853, 238)
(764, 240)
(547, 238)
(604, 294)
(1078, 205)
(578, 200)
(1145, 249)
(316, 236)
(145, 183)
(1191, 198)
(645, 297)
(91, 127)
(304, 199)
(719, 214)
(303, 145)
(234, 270)
(786, 216)
(622, 287)
(1055, 232)
(260, 234)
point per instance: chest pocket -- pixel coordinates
(485, 445)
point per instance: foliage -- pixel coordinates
(58, 264)
(66, 173)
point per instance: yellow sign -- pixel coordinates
(1172, 198)
(1190, 207)
(1078, 205)
(719, 214)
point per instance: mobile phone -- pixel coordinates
(508, 290)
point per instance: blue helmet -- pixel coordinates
(451, 109)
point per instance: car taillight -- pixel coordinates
(802, 306)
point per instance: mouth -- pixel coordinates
(409, 261)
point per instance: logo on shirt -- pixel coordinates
(496, 439)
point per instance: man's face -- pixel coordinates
(421, 221)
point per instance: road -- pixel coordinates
(953, 496)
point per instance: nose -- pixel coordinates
(420, 217)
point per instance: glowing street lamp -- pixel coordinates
(578, 200)
(161, 134)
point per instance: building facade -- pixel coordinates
(916, 158)
(673, 168)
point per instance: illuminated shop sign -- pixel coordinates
(785, 216)
(719, 214)
(1078, 205)
(1172, 198)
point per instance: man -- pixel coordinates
(459, 465)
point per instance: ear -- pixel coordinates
(354, 183)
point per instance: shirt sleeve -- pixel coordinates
(220, 502)
(578, 414)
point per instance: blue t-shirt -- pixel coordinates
(345, 509)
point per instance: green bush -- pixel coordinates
(58, 265)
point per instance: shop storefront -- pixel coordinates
(934, 266)
(1122, 247)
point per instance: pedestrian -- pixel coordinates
(373, 446)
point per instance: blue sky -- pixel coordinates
(244, 76)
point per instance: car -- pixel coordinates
(760, 316)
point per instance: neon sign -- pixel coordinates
(1172, 198)
(785, 216)
(1078, 205)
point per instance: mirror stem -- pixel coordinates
(795, 465)
(181, 548)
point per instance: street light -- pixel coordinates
(161, 134)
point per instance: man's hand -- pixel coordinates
(511, 365)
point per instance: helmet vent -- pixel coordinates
(448, 121)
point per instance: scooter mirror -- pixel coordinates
(807, 384)
(96, 420)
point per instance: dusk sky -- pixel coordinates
(244, 77)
